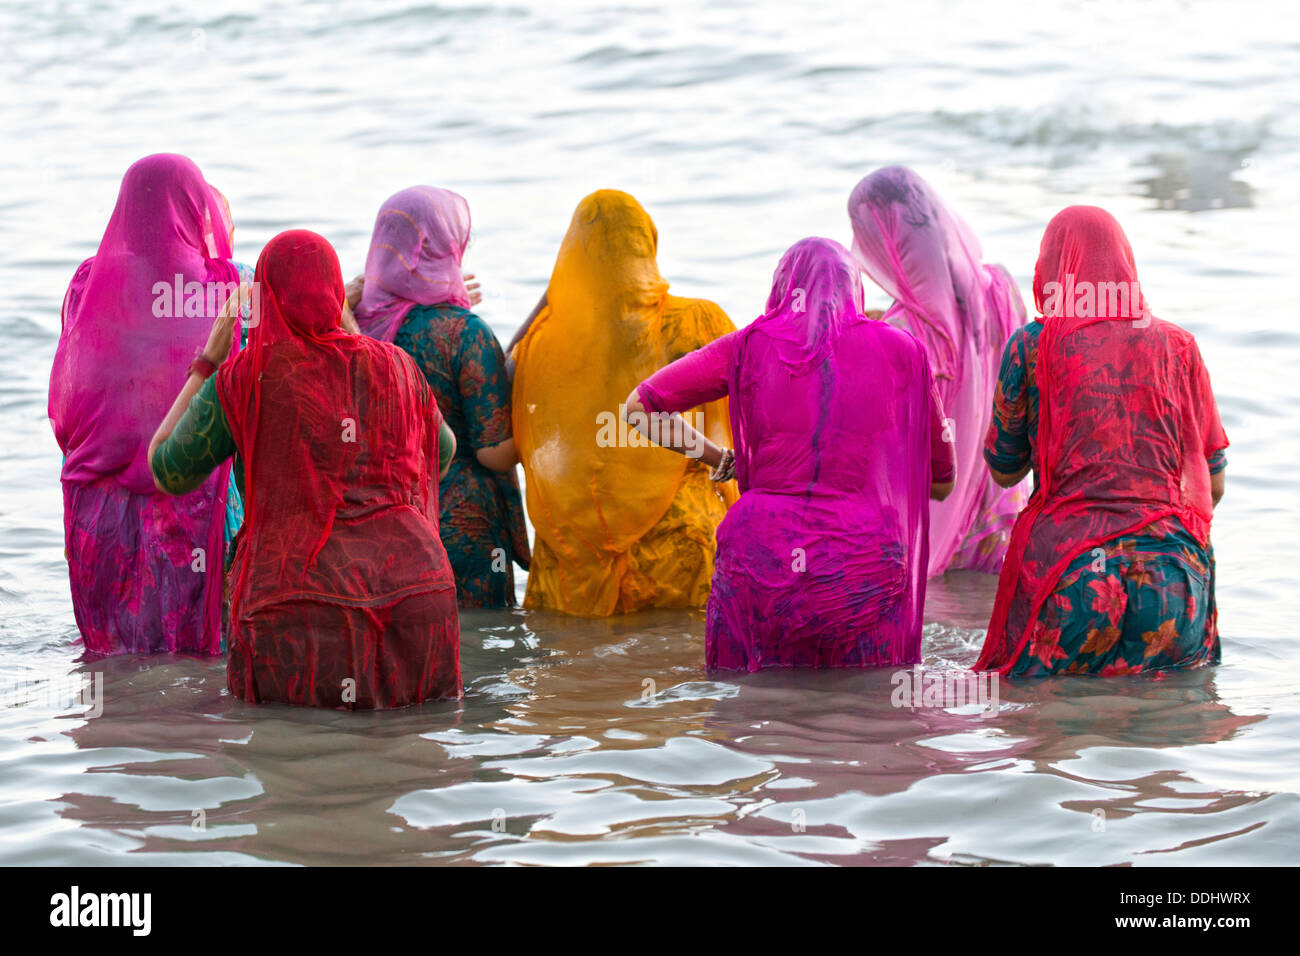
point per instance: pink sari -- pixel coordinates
(821, 562)
(923, 254)
(145, 568)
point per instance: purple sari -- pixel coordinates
(145, 568)
(923, 254)
(838, 431)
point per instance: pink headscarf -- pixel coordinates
(926, 257)
(414, 259)
(128, 337)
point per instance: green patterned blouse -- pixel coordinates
(201, 441)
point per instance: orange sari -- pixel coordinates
(621, 525)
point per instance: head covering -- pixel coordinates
(1085, 250)
(924, 255)
(415, 254)
(1126, 422)
(335, 430)
(133, 317)
(816, 294)
(609, 322)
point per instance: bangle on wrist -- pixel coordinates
(726, 469)
(202, 366)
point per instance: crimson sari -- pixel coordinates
(1127, 421)
(342, 595)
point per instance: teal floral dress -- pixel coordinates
(481, 514)
(1139, 603)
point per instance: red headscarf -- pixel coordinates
(1126, 422)
(339, 437)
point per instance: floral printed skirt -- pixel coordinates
(1141, 603)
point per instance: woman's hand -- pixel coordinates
(353, 291)
(222, 335)
(348, 321)
(473, 288)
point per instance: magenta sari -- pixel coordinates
(926, 257)
(145, 568)
(838, 430)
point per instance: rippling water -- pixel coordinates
(741, 127)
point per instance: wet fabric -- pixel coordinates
(1013, 429)
(197, 446)
(839, 433)
(927, 258)
(415, 253)
(1140, 602)
(1127, 424)
(339, 551)
(481, 513)
(145, 569)
(620, 525)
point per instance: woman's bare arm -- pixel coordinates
(673, 433)
(1004, 480)
(500, 457)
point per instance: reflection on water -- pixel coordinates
(1199, 181)
(604, 741)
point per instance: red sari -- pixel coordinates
(342, 594)
(1126, 422)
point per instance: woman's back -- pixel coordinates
(1125, 430)
(834, 429)
(619, 525)
(1138, 451)
(338, 438)
(821, 562)
(930, 262)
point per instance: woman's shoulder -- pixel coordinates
(1177, 337)
(700, 319)
(883, 335)
(1028, 333)
(452, 320)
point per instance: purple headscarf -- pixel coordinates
(816, 294)
(133, 317)
(926, 257)
(415, 253)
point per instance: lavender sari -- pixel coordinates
(923, 254)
